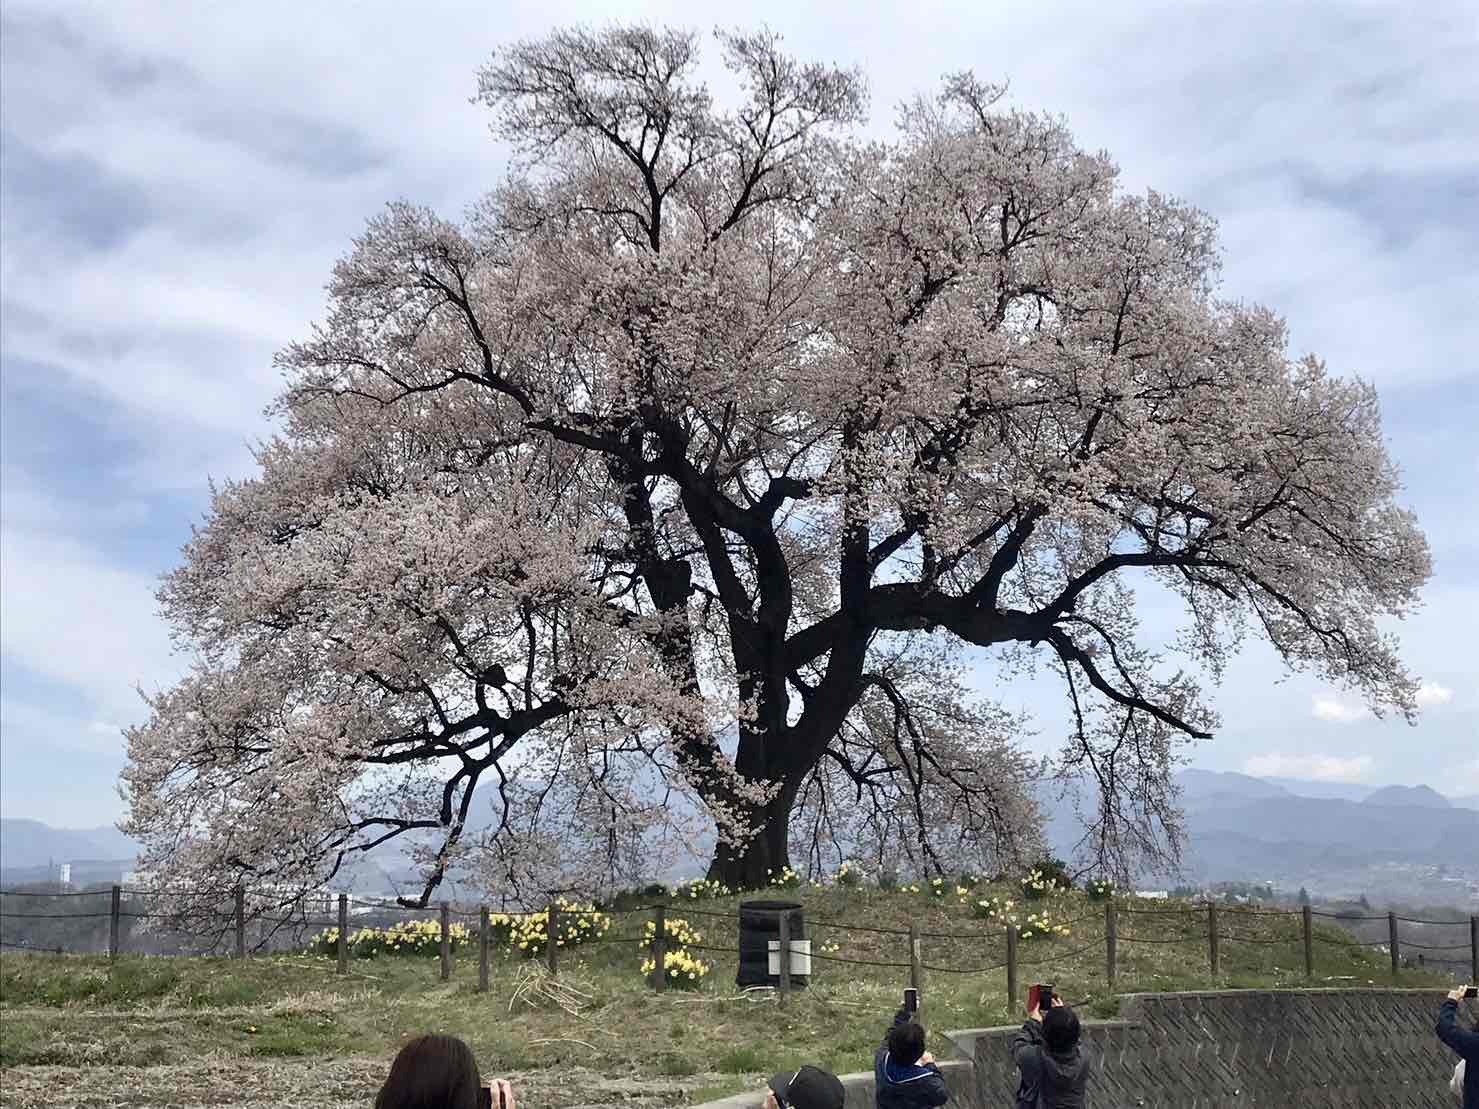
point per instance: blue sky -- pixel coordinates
(177, 180)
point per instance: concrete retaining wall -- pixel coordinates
(1318, 1049)
(1229, 1049)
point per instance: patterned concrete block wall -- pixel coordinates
(1325, 1049)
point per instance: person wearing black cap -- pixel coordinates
(809, 1088)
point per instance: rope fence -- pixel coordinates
(1190, 926)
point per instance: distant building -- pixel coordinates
(1152, 895)
(64, 874)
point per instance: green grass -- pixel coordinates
(82, 1012)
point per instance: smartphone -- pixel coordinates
(1472, 991)
(911, 1001)
(1040, 997)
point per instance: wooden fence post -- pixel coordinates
(1213, 954)
(241, 922)
(445, 947)
(660, 948)
(1393, 941)
(1011, 967)
(483, 950)
(1307, 915)
(914, 959)
(552, 929)
(1111, 942)
(1474, 948)
(784, 953)
(115, 912)
(341, 949)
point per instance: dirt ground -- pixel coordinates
(299, 1084)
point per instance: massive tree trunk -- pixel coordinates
(752, 865)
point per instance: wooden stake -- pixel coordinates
(1213, 952)
(784, 954)
(914, 958)
(1307, 920)
(1011, 967)
(446, 941)
(660, 948)
(241, 922)
(1394, 943)
(342, 947)
(115, 914)
(483, 938)
(1474, 949)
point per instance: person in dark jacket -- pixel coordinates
(1055, 1070)
(1464, 1041)
(808, 1088)
(904, 1074)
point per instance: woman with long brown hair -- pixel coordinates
(439, 1072)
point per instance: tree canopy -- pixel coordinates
(692, 463)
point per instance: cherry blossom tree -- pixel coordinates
(718, 416)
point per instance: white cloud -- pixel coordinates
(1322, 768)
(86, 625)
(1432, 693)
(1328, 708)
(254, 170)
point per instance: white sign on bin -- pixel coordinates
(800, 957)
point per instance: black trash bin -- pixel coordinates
(759, 927)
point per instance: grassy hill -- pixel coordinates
(288, 1030)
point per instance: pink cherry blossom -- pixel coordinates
(716, 416)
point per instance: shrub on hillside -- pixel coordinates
(528, 934)
(1099, 889)
(409, 937)
(681, 969)
(849, 876)
(701, 889)
(1046, 878)
(678, 931)
(784, 879)
(999, 910)
(1042, 926)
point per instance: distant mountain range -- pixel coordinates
(30, 843)
(1394, 842)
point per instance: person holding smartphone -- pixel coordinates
(1054, 1069)
(1464, 1041)
(904, 1073)
(439, 1072)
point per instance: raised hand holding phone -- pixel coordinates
(1039, 999)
